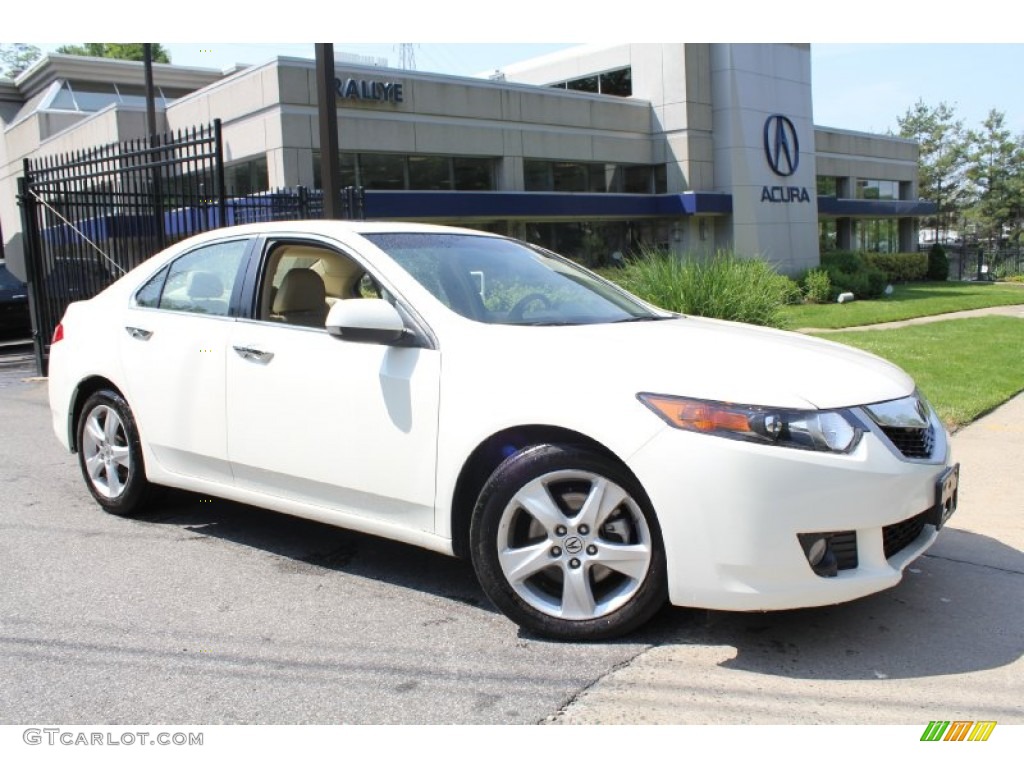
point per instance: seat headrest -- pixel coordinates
(205, 285)
(301, 290)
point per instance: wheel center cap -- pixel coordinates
(573, 545)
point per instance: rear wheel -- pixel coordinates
(110, 455)
(565, 544)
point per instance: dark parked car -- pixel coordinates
(14, 317)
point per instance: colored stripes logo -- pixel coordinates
(958, 730)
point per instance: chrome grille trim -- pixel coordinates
(910, 427)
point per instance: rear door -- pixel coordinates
(173, 350)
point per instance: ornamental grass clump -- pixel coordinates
(722, 286)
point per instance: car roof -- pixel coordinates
(340, 227)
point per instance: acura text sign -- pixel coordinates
(782, 151)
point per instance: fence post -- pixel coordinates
(218, 171)
(303, 202)
(30, 236)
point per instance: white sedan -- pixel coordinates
(593, 456)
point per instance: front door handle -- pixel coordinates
(256, 355)
(138, 333)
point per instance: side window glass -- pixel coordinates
(149, 294)
(302, 281)
(201, 281)
(369, 288)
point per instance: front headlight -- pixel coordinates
(832, 431)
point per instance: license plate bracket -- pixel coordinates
(946, 496)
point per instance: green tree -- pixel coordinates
(126, 51)
(997, 172)
(15, 58)
(942, 162)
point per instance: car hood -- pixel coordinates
(711, 359)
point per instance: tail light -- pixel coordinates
(58, 334)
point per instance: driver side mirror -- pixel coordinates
(370, 321)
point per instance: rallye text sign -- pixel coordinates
(368, 90)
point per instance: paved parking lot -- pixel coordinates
(205, 611)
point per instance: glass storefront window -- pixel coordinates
(537, 176)
(828, 235)
(569, 177)
(424, 172)
(878, 189)
(876, 235)
(247, 177)
(382, 171)
(637, 179)
(584, 84)
(618, 82)
(474, 173)
(429, 172)
(827, 185)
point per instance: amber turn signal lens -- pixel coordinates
(698, 416)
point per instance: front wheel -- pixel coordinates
(564, 542)
(110, 455)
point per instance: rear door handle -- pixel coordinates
(256, 355)
(138, 333)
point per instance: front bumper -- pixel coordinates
(731, 512)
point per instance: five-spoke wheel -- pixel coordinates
(109, 453)
(564, 543)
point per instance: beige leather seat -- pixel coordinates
(301, 299)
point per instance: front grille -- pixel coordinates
(912, 442)
(895, 538)
(899, 536)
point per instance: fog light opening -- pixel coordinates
(818, 551)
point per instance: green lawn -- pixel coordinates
(964, 367)
(915, 300)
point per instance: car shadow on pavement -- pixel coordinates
(958, 609)
(307, 546)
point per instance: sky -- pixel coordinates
(891, 56)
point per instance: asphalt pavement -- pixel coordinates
(203, 611)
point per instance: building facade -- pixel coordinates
(594, 151)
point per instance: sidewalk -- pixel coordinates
(1011, 310)
(948, 641)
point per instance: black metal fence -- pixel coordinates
(90, 216)
(974, 262)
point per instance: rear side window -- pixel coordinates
(200, 282)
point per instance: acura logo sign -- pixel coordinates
(781, 145)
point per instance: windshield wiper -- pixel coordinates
(645, 318)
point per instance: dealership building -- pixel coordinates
(592, 151)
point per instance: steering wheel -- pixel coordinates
(517, 312)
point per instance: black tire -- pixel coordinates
(110, 455)
(549, 571)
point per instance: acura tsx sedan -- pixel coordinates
(593, 456)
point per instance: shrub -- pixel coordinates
(817, 286)
(938, 263)
(723, 286)
(900, 267)
(849, 272)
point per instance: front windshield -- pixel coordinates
(494, 280)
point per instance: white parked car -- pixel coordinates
(593, 456)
